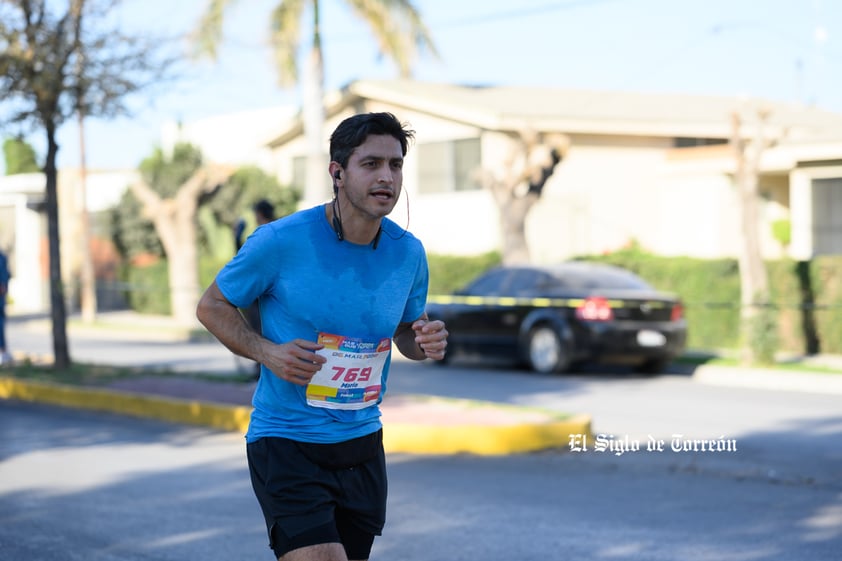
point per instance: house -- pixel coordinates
(237, 138)
(23, 229)
(656, 169)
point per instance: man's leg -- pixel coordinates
(319, 552)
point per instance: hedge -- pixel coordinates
(806, 298)
(806, 295)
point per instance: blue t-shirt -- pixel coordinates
(308, 282)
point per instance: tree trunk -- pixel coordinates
(513, 228)
(175, 224)
(58, 311)
(754, 285)
(530, 164)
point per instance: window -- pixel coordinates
(525, 283)
(685, 142)
(827, 216)
(491, 283)
(448, 166)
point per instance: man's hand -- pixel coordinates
(295, 361)
(431, 337)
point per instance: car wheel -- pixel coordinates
(545, 351)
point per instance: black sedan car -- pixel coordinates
(556, 317)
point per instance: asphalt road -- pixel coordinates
(76, 485)
(786, 435)
(80, 485)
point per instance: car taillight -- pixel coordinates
(677, 312)
(595, 309)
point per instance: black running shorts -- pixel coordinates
(320, 493)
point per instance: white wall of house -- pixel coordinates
(233, 138)
(600, 198)
(696, 216)
(104, 188)
(465, 223)
(22, 236)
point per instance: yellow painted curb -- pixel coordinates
(224, 417)
(397, 437)
(485, 440)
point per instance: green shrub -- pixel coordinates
(147, 288)
(804, 316)
(449, 273)
(19, 156)
(826, 284)
(762, 333)
(782, 231)
(806, 300)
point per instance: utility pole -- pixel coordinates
(88, 301)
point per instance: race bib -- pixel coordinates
(350, 379)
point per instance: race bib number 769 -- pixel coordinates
(351, 377)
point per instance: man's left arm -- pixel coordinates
(422, 339)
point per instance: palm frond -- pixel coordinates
(399, 30)
(285, 34)
(208, 34)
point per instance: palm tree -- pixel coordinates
(395, 24)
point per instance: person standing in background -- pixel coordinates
(5, 357)
(264, 213)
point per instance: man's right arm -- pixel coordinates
(295, 361)
(226, 323)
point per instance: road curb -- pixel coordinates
(399, 437)
(758, 378)
(483, 440)
(223, 417)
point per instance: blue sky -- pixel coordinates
(782, 50)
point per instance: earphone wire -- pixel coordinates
(337, 220)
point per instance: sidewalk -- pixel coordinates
(415, 424)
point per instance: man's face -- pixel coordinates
(373, 178)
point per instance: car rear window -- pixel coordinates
(601, 279)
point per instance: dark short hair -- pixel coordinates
(353, 131)
(265, 209)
